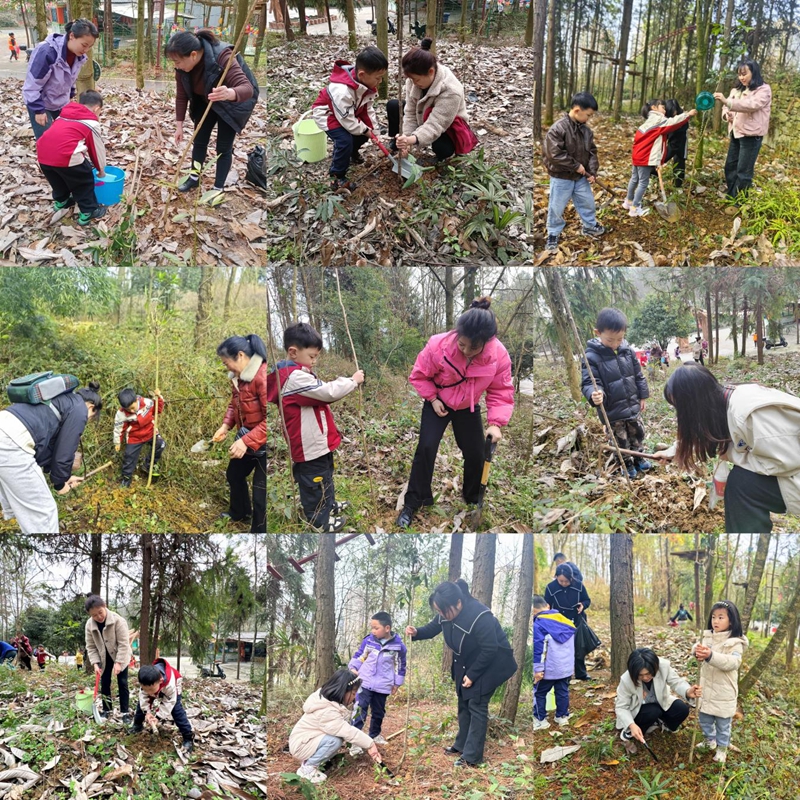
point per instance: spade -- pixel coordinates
(655, 758)
(407, 167)
(488, 451)
(669, 211)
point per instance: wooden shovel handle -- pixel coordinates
(98, 469)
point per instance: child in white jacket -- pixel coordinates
(325, 726)
(720, 655)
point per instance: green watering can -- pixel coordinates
(704, 101)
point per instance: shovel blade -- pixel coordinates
(98, 717)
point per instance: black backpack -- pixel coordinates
(257, 168)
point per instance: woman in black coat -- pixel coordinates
(568, 595)
(482, 661)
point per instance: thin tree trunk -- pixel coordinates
(483, 567)
(623, 634)
(453, 574)
(325, 615)
(754, 579)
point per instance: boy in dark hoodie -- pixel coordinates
(66, 152)
(344, 110)
(622, 388)
(312, 433)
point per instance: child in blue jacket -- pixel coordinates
(380, 662)
(553, 662)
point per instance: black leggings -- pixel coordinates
(225, 139)
(749, 498)
(443, 146)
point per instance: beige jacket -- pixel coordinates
(719, 676)
(114, 639)
(321, 717)
(747, 112)
(445, 98)
(630, 697)
(764, 425)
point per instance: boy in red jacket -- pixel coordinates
(67, 151)
(312, 433)
(134, 424)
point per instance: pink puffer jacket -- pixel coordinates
(440, 370)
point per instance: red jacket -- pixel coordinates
(306, 400)
(248, 406)
(345, 103)
(138, 427)
(649, 141)
(71, 138)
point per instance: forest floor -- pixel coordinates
(49, 742)
(427, 771)
(578, 488)
(372, 485)
(704, 234)
(148, 229)
(380, 223)
(763, 761)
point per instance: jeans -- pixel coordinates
(637, 186)
(540, 691)
(749, 497)
(325, 749)
(178, 715)
(344, 145)
(367, 699)
(740, 163)
(718, 728)
(38, 129)
(561, 192)
(473, 717)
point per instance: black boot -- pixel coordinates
(189, 184)
(188, 744)
(405, 516)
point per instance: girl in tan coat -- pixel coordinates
(325, 726)
(720, 655)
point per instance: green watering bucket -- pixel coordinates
(310, 143)
(704, 101)
(84, 701)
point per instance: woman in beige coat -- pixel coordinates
(720, 655)
(109, 650)
(325, 726)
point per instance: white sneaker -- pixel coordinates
(654, 727)
(355, 750)
(540, 724)
(311, 774)
(563, 720)
(707, 744)
(380, 740)
(626, 204)
(721, 755)
(638, 211)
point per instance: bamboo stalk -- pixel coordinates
(408, 673)
(99, 469)
(155, 400)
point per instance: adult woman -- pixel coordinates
(644, 698)
(52, 72)
(245, 357)
(482, 661)
(199, 61)
(35, 439)
(565, 593)
(435, 113)
(747, 110)
(109, 650)
(450, 374)
(755, 428)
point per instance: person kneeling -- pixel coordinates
(160, 698)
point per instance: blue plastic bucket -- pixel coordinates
(108, 189)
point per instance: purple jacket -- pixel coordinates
(380, 666)
(553, 629)
(50, 82)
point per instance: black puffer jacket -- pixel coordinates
(619, 374)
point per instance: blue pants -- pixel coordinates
(344, 145)
(326, 749)
(562, 191)
(540, 691)
(637, 186)
(718, 728)
(38, 129)
(367, 699)
(178, 715)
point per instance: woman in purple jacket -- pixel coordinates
(54, 67)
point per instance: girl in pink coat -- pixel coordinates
(451, 374)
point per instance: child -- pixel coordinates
(649, 151)
(570, 156)
(12, 46)
(380, 662)
(720, 655)
(622, 387)
(41, 655)
(160, 688)
(697, 351)
(7, 653)
(62, 151)
(134, 424)
(553, 662)
(344, 110)
(309, 423)
(677, 142)
(324, 726)
(79, 659)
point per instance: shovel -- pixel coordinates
(97, 706)
(488, 451)
(407, 167)
(669, 211)
(655, 758)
